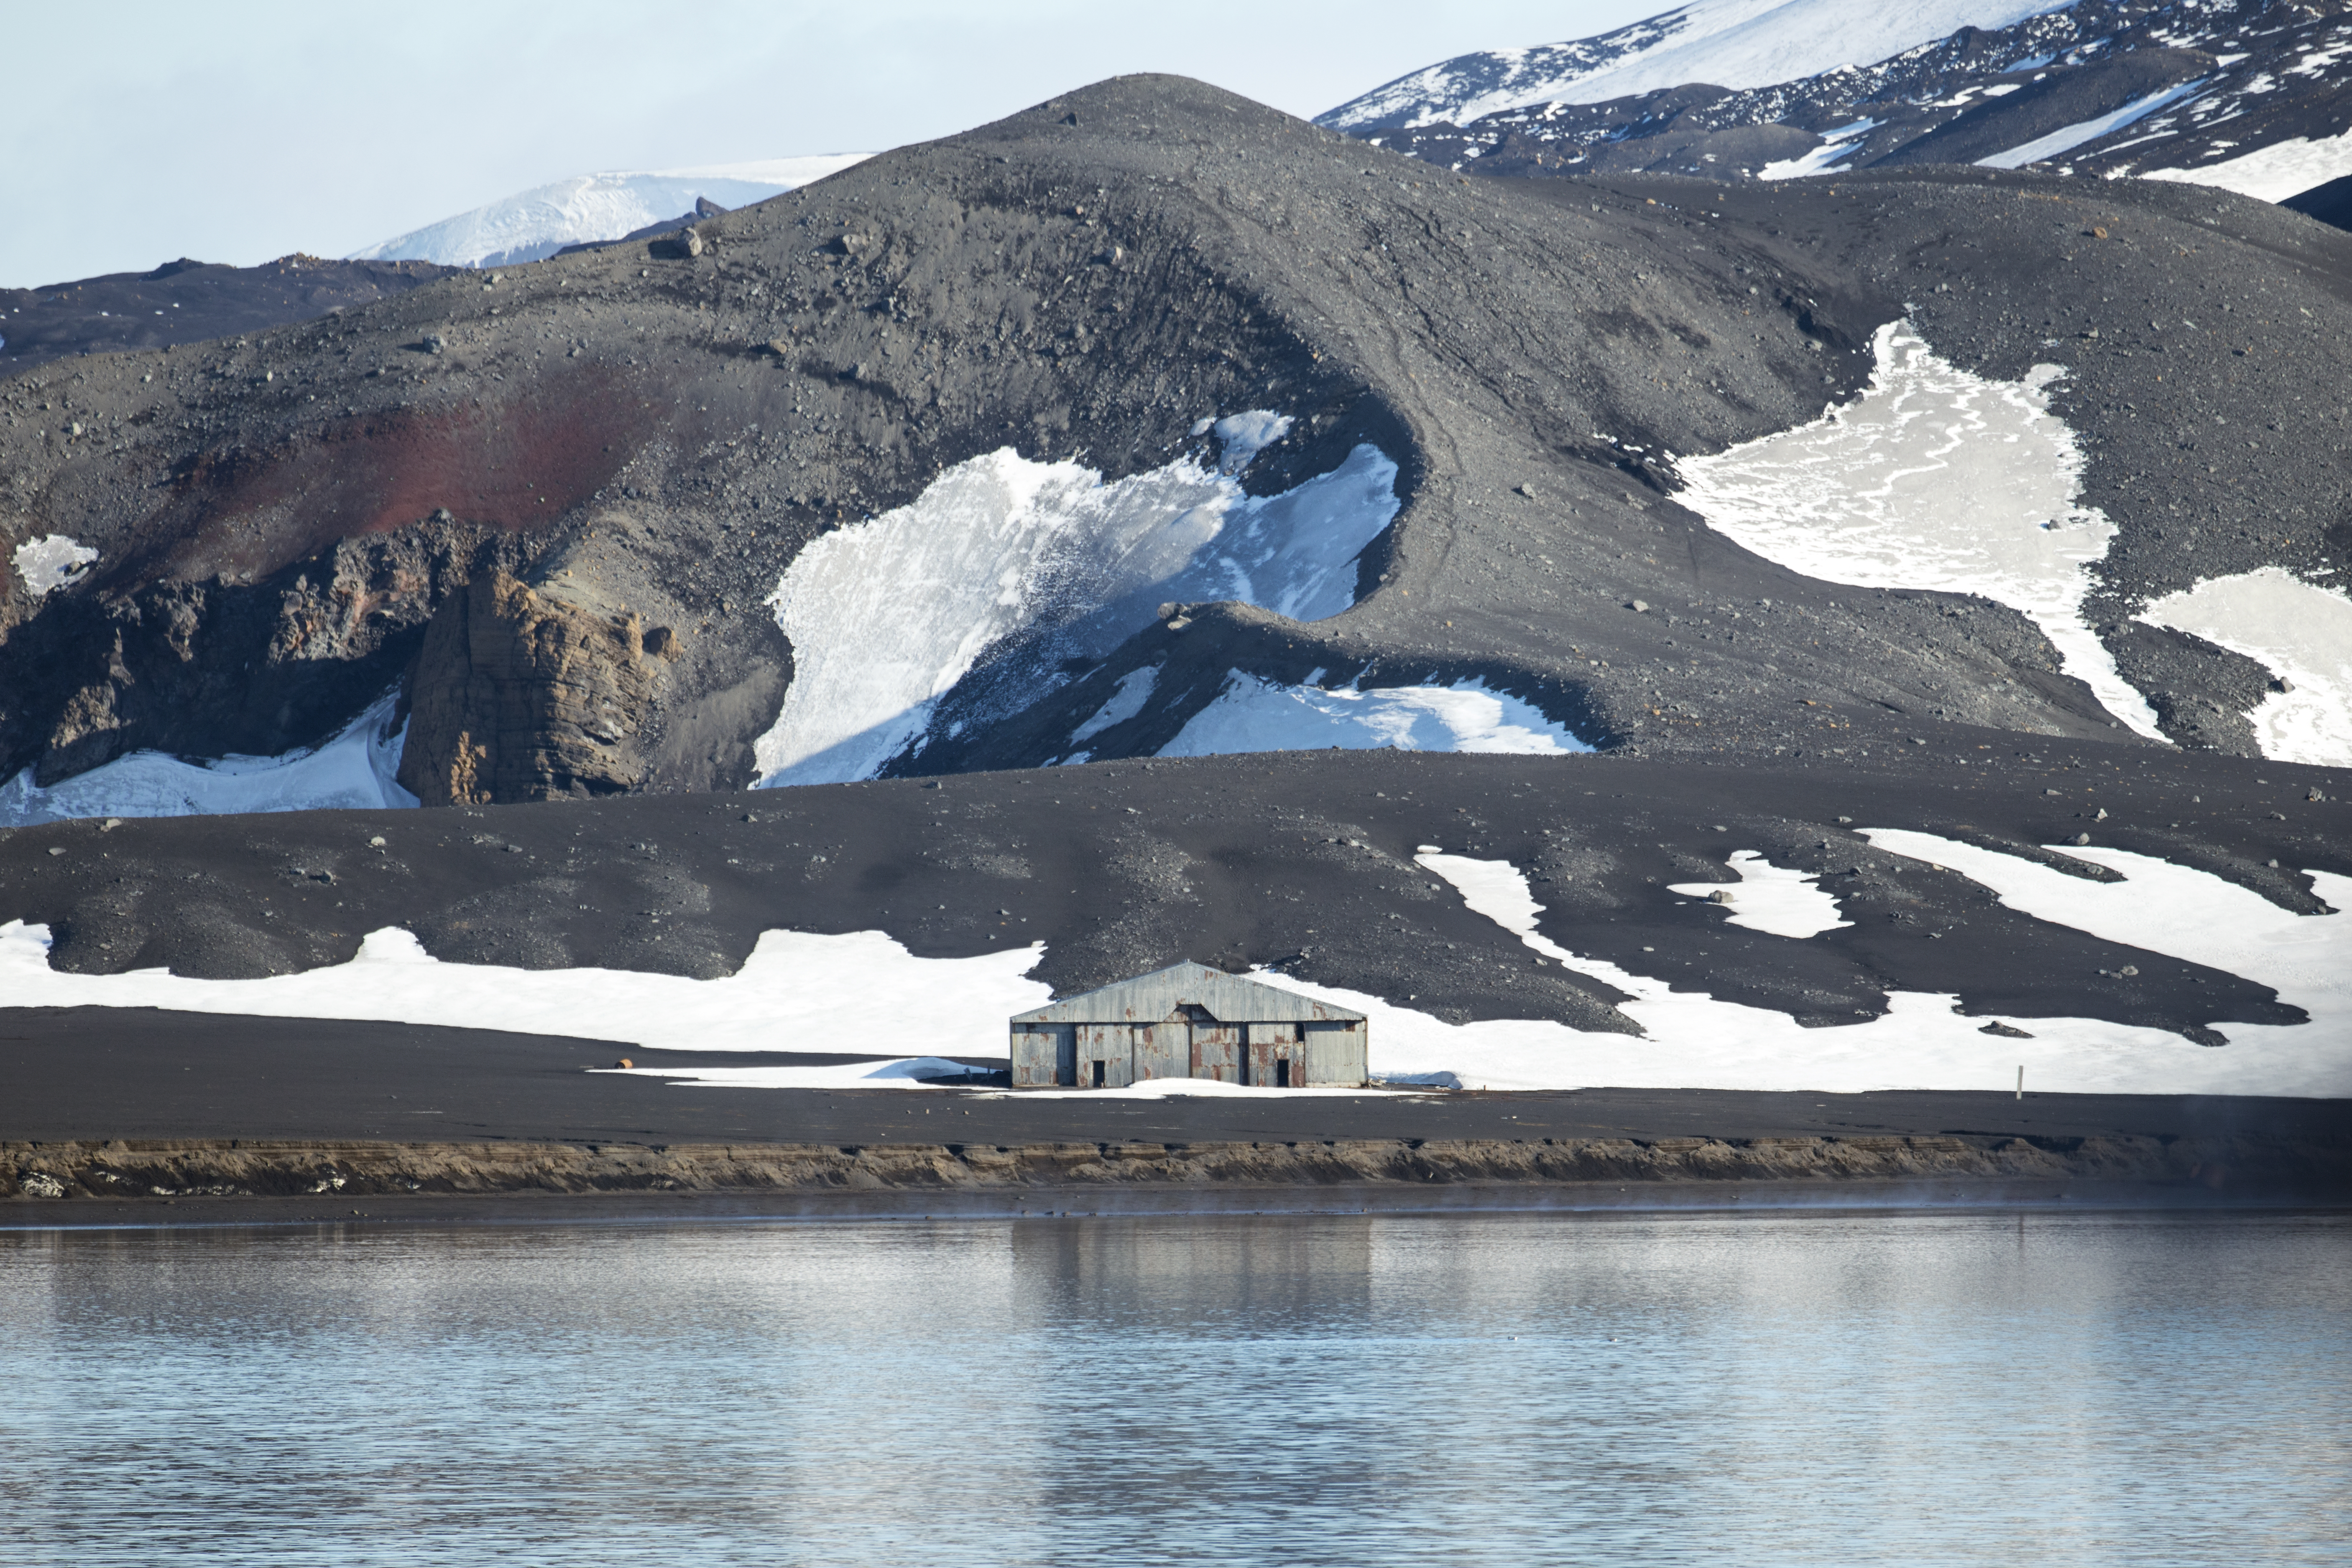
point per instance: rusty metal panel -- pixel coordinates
(1112, 1045)
(1217, 1052)
(1274, 1056)
(1034, 1056)
(1044, 1055)
(1336, 1054)
(1163, 1050)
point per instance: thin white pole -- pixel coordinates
(2021, 1080)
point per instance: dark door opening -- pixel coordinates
(1098, 1074)
(1282, 1073)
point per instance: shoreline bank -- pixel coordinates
(73, 1180)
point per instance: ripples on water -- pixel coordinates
(1352, 1390)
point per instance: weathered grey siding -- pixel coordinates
(1189, 1021)
(1113, 1047)
(1336, 1053)
(1148, 998)
(1044, 1055)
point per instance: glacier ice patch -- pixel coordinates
(1255, 715)
(885, 616)
(353, 771)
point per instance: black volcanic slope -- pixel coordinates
(1300, 860)
(186, 301)
(609, 455)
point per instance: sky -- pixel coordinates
(137, 132)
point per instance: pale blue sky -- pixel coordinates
(137, 132)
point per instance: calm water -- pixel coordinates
(1508, 1390)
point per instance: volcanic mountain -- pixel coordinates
(2251, 98)
(1230, 465)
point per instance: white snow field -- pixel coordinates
(536, 222)
(2275, 172)
(50, 562)
(1935, 478)
(1771, 898)
(1255, 715)
(354, 770)
(795, 992)
(1728, 43)
(2066, 138)
(885, 615)
(1694, 1041)
(2302, 633)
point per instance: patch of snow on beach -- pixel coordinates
(2275, 172)
(1771, 898)
(1934, 479)
(1694, 1041)
(353, 771)
(1255, 715)
(50, 562)
(887, 615)
(2066, 138)
(796, 991)
(898, 1072)
(534, 224)
(2302, 633)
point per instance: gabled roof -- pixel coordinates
(1148, 998)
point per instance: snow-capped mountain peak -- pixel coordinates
(1724, 43)
(539, 222)
(2248, 95)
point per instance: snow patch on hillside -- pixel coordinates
(536, 222)
(50, 562)
(1255, 715)
(2302, 633)
(2066, 138)
(887, 615)
(1134, 690)
(353, 771)
(1839, 144)
(1771, 898)
(2275, 172)
(796, 991)
(1694, 1040)
(1935, 478)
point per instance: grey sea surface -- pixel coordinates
(1816, 1387)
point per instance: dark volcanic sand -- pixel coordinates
(96, 1073)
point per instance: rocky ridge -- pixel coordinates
(648, 434)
